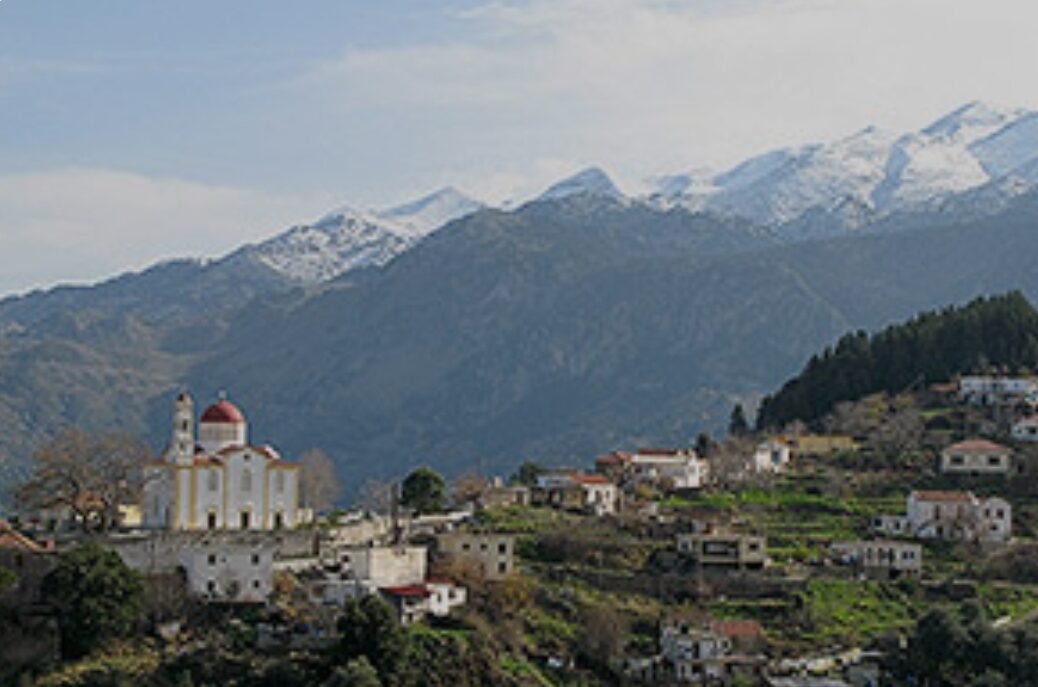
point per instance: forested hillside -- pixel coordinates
(999, 332)
(555, 331)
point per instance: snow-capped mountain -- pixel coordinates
(347, 239)
(972, 161)
(591, 181)
(431, 212)
(851, 182)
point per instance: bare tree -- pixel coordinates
(468, 488)
(730, 462)
(89, 476)
(319, 484)
(376, 496)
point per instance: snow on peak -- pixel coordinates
(431, 212)
(346, 238)
(972, 121)
(590, 181)
(876, 172)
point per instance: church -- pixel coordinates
(217, 480)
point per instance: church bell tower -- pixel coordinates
(182, 444)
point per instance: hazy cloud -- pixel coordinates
(80, 224)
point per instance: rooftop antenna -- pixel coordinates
(222, 395)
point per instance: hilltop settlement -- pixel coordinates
(887, 539)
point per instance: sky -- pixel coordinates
(137, 131)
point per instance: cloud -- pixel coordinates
(650, 86)
(83, 224)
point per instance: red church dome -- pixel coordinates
(223, 412)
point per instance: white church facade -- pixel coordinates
(217, 480)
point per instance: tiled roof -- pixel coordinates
(614, 457)
(737, 628)
(589, 479)
(11, 539)
(407, 590)
(976, 446)
(954, 496)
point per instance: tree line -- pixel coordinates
(997, 333)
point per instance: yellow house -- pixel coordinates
(820, 444)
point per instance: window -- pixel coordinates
(210, 586)
(245, 520)
(466, 546)
(255, 559)
(246, 480)
(279, 482)
(502, 547)
(214, 480)
(995, 461)
(255, 584)
(211, 520)
(212, 559)
(502, 567)
(279, 520)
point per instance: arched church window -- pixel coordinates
(279, 482)
(214, 480)
(246, 480)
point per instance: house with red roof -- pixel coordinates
(708, 651)
(29, 561)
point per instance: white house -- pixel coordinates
(233, 571)
(771, 456)
(581, 491)
(1026, 429)
(953, 516)
(976, 457)
(415, 601)
(677, 468)
(217, 480)
(996, 390)
(356, 571)
(712, 651)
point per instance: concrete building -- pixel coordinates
(678, 469)
(883, 559)
(217, 480)
(593, 494)
(952, 516)
(976, 457)
(495, 553)
(231, 571)
(499, 495)
(725, 549)
(353, 571)
(29, 561)
(712, 651)
(771, 456)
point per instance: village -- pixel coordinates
(782, 559)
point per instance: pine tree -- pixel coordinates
(737, 425)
